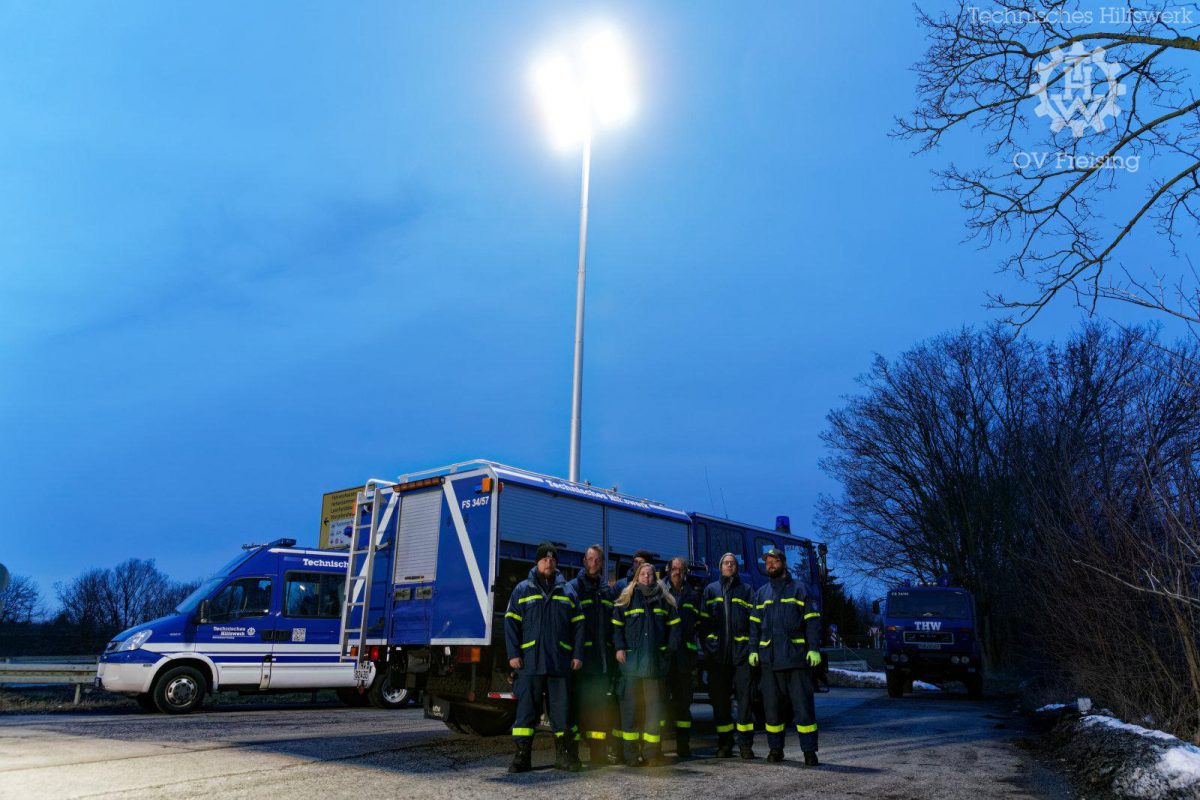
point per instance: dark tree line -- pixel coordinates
(1058, 483)
(92, 607)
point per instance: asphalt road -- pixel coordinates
(923, 746)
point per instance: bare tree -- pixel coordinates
(1118, 150)
(21, 600)
(130, 593)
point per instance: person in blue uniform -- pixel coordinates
(645, 633)
(593, 699)
(681, 674)
(543, 634)
(725, 612)
(785, 632)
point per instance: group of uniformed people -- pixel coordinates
(613, 665)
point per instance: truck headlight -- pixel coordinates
(133, 642)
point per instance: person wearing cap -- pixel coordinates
(645, 633)
(725, 611)
(681, 672)
(593, 699)
(785, 631)
(639, 558)
(543, 635)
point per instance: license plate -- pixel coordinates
(362, 674)
(928, 646)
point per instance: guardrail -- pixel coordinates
(77, 670)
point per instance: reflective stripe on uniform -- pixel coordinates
(565, 646)
(631, 611)
(529, 599)
(517, 617)
(587, 602)
(692, 646)
(740, 601)
(775, 728)
(724, 728)
(740, 638)
(791, 600)
(764, 644)
(579, 618)
(660, 611)
(528, 645)
(797, 641)
(683, 723)
(755, 619)
(618, 622)
(812, 614)
(672, 621)
(562, 599)
(522, 731)
(630, 736)
(689, 605)
(652, 738)
(601, 735)
(607, 603)
(746, 728)
(807, 728)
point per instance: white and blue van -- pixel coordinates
(269, 621)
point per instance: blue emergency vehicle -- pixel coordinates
(268, 621)
(930, 634)
(435, 555)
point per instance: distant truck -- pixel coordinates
(930, 634)
(435, 555)
(268, 621)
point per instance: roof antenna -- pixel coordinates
(711, 503)
(724, 508)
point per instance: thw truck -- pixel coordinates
(434, 556)
(268, 621)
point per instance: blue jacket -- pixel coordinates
(595, 599)
(725, 621)
(543, 627)
(784, 627)
(687, 603)
(648, 632)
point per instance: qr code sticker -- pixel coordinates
(298, 634)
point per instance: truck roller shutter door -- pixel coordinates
(630, 531)
(530, 516)
(417, 539)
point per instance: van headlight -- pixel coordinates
(133, 642)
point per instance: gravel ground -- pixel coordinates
(924, 746)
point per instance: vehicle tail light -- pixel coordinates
(375, 653)
(467, 655)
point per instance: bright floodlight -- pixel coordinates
(592, 83)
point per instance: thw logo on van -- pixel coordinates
(932, 625)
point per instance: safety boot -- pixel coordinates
(596, 757)
(683, 745)
(563, 758)
(522, 758)
(810, 759)
(775, 755)
(746, 752)
(615, 754)
(724, 745)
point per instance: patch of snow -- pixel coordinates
(1051, 707)
(1084, 704)
(1110, 722)
(1176, 769)
(880, 679)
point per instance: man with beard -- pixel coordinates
(593, 704)
(543, 634)
(785, 632)
(681, 673)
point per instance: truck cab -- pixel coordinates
(268, 621)
(930, 634)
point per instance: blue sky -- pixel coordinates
(256, 253)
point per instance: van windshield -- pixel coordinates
(944, 603)
(192, 601)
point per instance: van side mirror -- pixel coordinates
(201, 612)
(874, 606)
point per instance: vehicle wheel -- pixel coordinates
(179, 690)
(352, 697)
(383, 694)
(974, 684)
(895, 685)
(146, 703)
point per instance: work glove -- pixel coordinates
(814, 658)
(754, 659)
